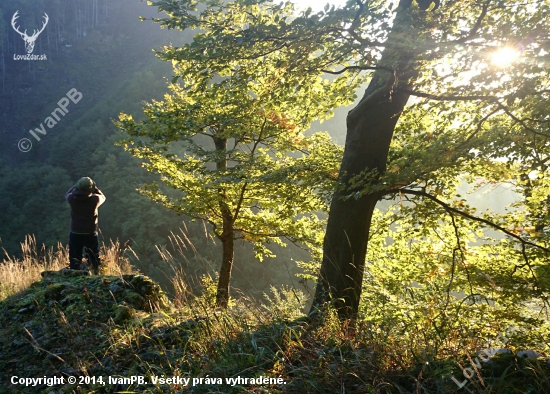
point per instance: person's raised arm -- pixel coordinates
(101, 196)
(69, 193)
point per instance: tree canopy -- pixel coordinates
(441, 110)
(230, 139)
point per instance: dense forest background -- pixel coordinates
(101, 49)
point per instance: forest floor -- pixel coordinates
(120, 334)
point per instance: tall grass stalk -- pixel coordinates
(18, 274)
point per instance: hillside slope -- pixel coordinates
(61, 325)
(120, 334)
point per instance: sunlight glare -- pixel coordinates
(504, 57)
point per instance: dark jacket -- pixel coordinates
(84, 207)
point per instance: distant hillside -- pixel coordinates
(96, 54)
(109, 60)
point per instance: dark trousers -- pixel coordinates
(80, 244)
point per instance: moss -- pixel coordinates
(123, 313)
(134, 299)
(55, 291)
(71, 315)
(148, 289)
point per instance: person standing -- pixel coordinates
(84, 198)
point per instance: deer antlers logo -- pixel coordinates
(29, 40)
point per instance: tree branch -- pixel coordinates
(357, 68)
(494, 99)
(520, 121)
(448, 208)
(475, 28)
(459, 249)
(446, 98)
(239, 204)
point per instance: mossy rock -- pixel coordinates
(142, 284)
(68, 317)
(123, 313)
(503, 372)
(134, 299)
(56, 291)
(149, 290)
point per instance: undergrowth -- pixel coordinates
(120, 325)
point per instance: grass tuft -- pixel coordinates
(18, 274)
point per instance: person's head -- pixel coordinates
(85, 184)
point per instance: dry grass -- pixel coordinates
(18, 274)
(114, 261)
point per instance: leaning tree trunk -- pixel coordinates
(370, 128)
(226, 237)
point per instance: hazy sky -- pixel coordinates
(317, 5)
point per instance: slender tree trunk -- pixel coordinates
(370, 128)
(94, 14)
(227, 239)
(222, 296)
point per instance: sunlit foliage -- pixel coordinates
(435, 262)
(230, 139)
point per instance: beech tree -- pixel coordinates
(440, 110)
(229, 138)
(469, 117)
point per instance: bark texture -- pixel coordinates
(370, 128)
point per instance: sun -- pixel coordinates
(503, 57)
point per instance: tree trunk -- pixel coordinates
(226, 237)
(370, 128)
(222, 295)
